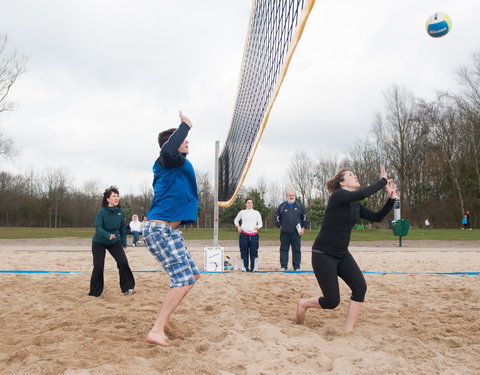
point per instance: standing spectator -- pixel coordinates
(427, 224)
(467, 214)
(464, 222)
(110, 235)
(248, 238)
(291, 218)
(144, 221)
(135, 230)
(175, 203)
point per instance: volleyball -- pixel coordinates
(438, 24)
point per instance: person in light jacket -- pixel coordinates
(251, 222)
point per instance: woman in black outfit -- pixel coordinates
(330, 256)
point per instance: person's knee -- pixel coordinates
(358, 293)
(196, 276)
(188, 288)
(122, 263)
(329, 303)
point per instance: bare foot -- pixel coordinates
(301, 312)
(170, 330)
(348, 329)
(158, 338)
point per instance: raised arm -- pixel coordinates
(171, 146)
(346, 196)
(185, 119)
(378, 216)
(170, 157)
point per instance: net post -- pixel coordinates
(214, 257)
(215, 197)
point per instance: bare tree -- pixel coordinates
(469, 104)
(448, 135)
(401, 136)
(328, 164)
(56, 184)
(11, 67)
(275, 193)
(6, 145)
(31, 192)
(6, 197)
(205, 200)
(145, 198)
(86, 202)
(301, 173)
(364, 158)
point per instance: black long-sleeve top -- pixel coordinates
(342, 212)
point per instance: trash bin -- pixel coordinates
(400, 227)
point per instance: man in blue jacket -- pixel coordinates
(291, 218)
(175, 203)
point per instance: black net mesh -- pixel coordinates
(271, 39)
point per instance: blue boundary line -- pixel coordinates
(296, 272)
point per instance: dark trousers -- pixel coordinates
(248, 250)
(126, 276)
(136, 236)
(328, 269)
(287, 239)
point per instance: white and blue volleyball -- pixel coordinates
(438, 24)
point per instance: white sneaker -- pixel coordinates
(283, 269)
(133, 244)
(243, 269)
(255, 267)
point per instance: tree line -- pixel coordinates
(430, 148)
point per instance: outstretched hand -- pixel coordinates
(185, 119)
(383, 173)
(391, 189)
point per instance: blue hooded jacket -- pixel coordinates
(174, 183)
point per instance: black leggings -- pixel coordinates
(126, 276)
(328, 268)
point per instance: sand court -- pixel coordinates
(240, 323)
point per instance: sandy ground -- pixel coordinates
(240, 323)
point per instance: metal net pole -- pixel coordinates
(215, 198)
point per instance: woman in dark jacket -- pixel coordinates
(330, 256)
(110, 235)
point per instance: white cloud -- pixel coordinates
(103, 78)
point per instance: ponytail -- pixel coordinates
(334, 183)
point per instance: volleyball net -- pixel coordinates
(274, 30)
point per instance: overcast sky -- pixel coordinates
(103, 77)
